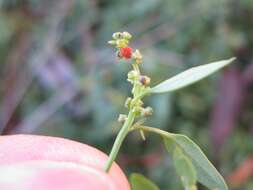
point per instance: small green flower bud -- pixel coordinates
(145, 80)
(148, 111)
(137, 110)
(122, 43)
(126, 35)
(117, 35)
(112, 42)
(128, 102)
(132, 75)
(137, 56)
(139, 103)
(122, 118)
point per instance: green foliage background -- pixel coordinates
(59, 77)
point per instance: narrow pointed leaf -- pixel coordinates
(139, 182)
(189, 76)
(206, 172)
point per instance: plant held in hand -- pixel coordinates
(190, 162)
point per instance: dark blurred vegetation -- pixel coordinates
(59, 77)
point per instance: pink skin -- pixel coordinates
(29, 162)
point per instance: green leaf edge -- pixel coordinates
(156, 89)
(221, 184)
(136, 176)
(179, 155)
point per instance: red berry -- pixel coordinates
(126, 52)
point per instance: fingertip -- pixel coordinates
(16, 149)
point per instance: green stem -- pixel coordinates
(136, 67)
(152, 129)
(137, 95)
(119, 139)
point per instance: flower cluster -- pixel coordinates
(121, 42)
(140, 82)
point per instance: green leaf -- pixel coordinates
(189, 76)
(183, 164)
(139, 182)
(206, 172)
(170, 145)
(184, 169)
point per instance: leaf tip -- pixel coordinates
(232, 59)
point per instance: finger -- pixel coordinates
(49, 175)
(22, 148)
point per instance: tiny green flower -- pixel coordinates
(112, 42)
(122, 43)
(117, 35)
(148, 111)
(128, 102)
(137, 56)
(145, 80)
(132, 76)
(126, 35)
(122, 118)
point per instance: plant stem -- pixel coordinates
(137, 95)
(152, 129)
(119, 139)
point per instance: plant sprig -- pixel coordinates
(190, 162)
(140, 89)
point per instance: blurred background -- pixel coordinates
(59, 77)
